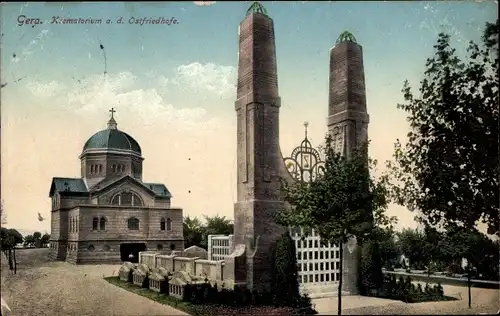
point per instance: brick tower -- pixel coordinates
(260, 162)
(347, 119)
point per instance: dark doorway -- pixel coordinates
(130, 252)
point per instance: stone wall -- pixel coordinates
(117, 224)
(212, 270)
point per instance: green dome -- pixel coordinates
(112, 139)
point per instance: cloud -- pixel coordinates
(44, 90)
(94, 96)
(35, 44)
(204, 3)
(218, 79)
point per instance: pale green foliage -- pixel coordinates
(448, 169)
(344, 201)
(196, 232)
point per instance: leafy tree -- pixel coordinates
(481, 252)
(340, 203)
(432, 246)
(218, 225)
(9, 238)
(448, 169)
(389, 251)
(37, 236)
(196, 232)
(45, 239)
(193, 231)
(410, 243)
(29, 241)
(18, 238)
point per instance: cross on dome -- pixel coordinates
(112, 123)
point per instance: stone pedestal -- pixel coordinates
(350, 271)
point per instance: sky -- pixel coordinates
(173, 87)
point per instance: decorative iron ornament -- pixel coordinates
(305, 163)
(346, 37)
(256, 7)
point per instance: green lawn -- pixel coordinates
(202, 309)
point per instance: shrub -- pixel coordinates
(303, 306)
(188, 293)
(419, 289)
(284, 282)
(428, 289)
(370, 269)
(440, 290)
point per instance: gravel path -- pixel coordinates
(48, 288)
(484, 301)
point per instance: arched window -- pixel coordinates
(126, 198)
(116, 200)
(102, 223)
(133, 223)
(172, 246)
(95, 223)
(100, 168)
(169, 224)
(91, 169)
(162, 224)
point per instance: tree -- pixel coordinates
(45, 239)
(18, 238)
(9, 238)
(193, 231)
(29, 241)
(448, 169)
(37, 236)
(462, 242)
(218, 225)
(196, 232)
(389, 251)
(410, 243)
(340, 203)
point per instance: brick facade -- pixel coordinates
(110, 206)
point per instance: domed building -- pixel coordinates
(109, 214)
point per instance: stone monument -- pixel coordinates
(347, 121)
(259, 161)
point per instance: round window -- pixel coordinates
(91, 248)
(172, 246)
(159, 247)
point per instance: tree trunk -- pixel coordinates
(15, 261)
(429, 271)
(469, 283)
(340, 279)
(11, 266)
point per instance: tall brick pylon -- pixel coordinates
(259, 160)
(347, 121)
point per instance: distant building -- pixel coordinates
(109, 214)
